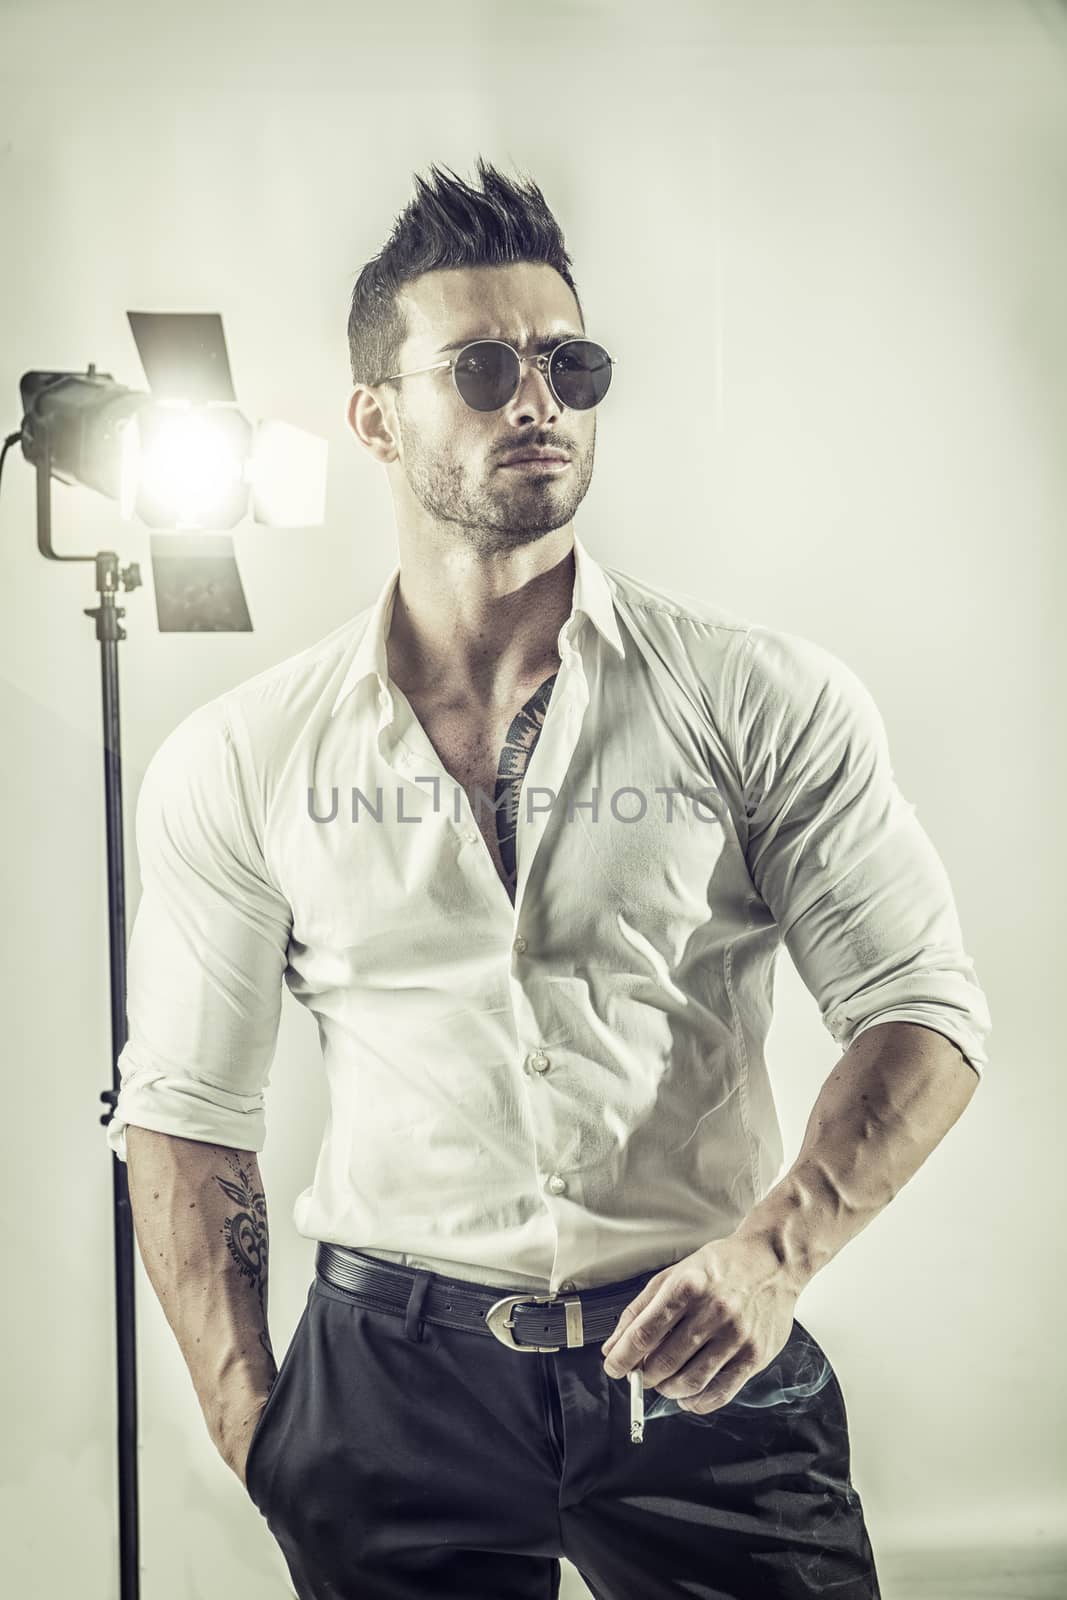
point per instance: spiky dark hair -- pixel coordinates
(448, 224)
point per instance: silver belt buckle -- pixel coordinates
(501, 1321)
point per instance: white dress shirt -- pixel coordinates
(570, 1090)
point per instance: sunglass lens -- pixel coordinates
(487, 375)
(581, 373)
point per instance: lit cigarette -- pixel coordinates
(637, 1406)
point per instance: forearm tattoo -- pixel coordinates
(246, 1236)
(522, 736)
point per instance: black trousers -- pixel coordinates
(397, 1459)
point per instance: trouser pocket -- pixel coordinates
(256, 1457)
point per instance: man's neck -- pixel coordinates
(484, 649)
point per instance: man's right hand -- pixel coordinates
(248, 1440)
(232, 1430)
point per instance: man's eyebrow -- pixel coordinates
(544, 342)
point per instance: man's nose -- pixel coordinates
(533, 397)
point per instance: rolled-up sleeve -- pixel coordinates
(861, 897)
(207, 952)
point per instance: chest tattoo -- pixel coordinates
(519, 743)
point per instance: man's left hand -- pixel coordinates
(701, 1328)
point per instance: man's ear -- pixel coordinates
(371, 426)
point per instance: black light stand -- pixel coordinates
(109, 575)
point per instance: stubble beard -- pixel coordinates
(509, 507)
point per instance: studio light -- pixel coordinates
(180, 458)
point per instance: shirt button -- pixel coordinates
(519, 946)
(538, 1061)
(557, 1184)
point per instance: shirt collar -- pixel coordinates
(591, 595)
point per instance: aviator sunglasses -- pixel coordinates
(487, 373)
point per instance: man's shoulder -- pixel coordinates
(290, 688)
(657, 605)
(759, 669)
(263, 715)
(703, 643)
(767, 646)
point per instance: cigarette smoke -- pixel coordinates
(810, 1372)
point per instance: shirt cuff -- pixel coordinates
(950, 1027)
(157, 1098)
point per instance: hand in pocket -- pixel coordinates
(235, 1441)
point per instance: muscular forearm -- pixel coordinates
(887, 1103)
(200, 1217)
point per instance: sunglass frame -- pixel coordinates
(543, 359)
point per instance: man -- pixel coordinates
(526, 836)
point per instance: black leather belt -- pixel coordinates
(522, 1321)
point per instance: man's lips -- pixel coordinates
(539, 458)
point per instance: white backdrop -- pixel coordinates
(828, 245)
